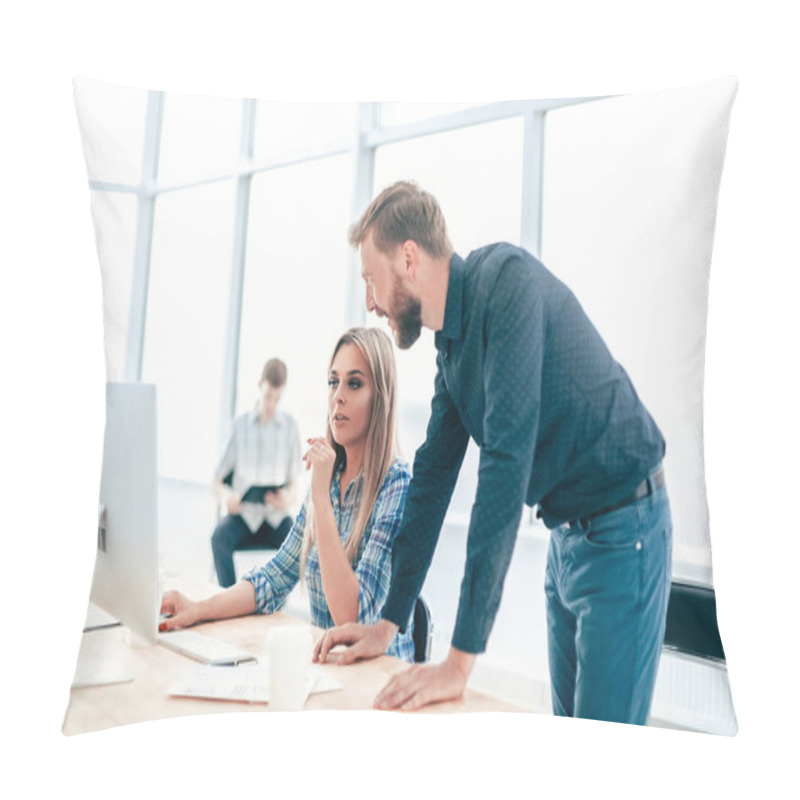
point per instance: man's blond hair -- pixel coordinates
(401, 212)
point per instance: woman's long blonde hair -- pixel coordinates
(381, 448)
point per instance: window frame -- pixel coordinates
(369, 135)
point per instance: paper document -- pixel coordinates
(246, 683)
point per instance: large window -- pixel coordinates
(476, 175)
(405, 113)
(228, 245)
(115, 218)
(232, 232)
(612, 232)
(300, 130)
(295, 283)
(186, 324)
(200, 138)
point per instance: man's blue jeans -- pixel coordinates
(232, 534)
(607, 587)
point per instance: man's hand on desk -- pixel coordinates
(183, 612)
(417, 686)
(363, 641)
(423, 684)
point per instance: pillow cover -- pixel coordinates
(221, 233)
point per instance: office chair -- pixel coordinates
(422, 634)
(692, 623)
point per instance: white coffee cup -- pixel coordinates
(290, 649)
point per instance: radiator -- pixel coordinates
(690, 693)
(693, 693)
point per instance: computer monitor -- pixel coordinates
(125, 582)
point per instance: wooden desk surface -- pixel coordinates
(155, 669)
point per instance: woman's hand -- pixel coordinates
(363, 641)
(182, 611)
(320, 459)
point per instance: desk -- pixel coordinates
(155, 669)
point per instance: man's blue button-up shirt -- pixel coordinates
(523, 371)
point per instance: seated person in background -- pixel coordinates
(341, 541)
(263, 450)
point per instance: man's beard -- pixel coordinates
(407, 316)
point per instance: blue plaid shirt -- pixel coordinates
(276, 579)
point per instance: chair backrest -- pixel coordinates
(692, 622)
(423, 630)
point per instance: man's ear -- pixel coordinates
(411, 259)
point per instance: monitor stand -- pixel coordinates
(104, 657)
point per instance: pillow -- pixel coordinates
(221, 234)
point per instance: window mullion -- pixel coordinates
(230, 365)
(363, 181)
(532, 181)
(144, 237)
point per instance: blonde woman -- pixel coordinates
(341, 541)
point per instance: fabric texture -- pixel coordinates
(273, 581)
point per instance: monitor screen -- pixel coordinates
(125, 582)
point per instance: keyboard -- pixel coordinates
(205, 649)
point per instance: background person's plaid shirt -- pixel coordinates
(373, 565)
